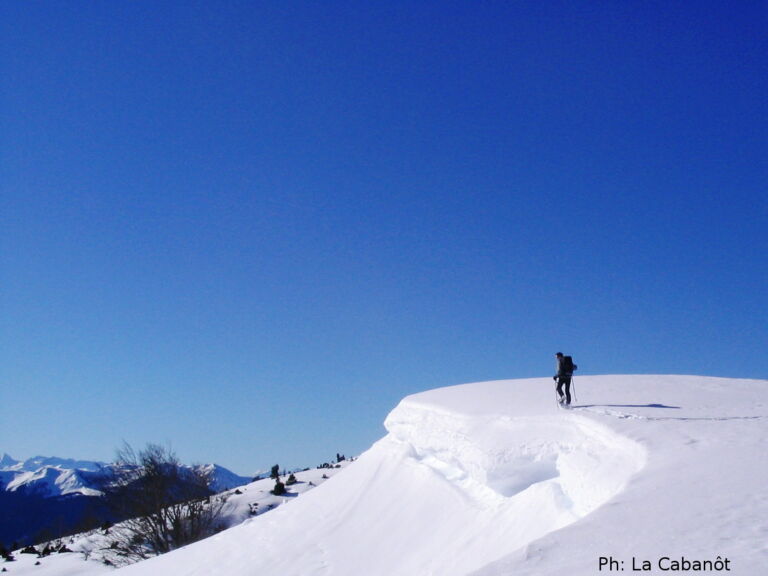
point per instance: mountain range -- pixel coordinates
(51, 496)
(52, 477)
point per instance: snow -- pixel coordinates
(244, 502)
(493, 478)
(33, 464)
(222, 479)
(52, 476)
(51, 481)
(56, 565)
(48, 476)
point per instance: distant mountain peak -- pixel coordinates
(7, 461)
(53, 476)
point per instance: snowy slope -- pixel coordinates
(90, 549)
(494, 479)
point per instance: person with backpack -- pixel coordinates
(565, 368)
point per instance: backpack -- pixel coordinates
(568, 366)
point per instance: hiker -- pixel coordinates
(565, 368)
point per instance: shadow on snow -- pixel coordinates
(625, 406)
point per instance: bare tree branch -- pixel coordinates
(166, 505)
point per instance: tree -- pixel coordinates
(166, 505)
(279, 488)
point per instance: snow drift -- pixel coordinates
(491, 482)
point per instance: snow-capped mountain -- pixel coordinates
(33, 464)
(43, 497)
(223, 479)
(49, 477)
(52, 477)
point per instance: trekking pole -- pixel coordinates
(573, 383)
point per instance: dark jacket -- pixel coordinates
(561, 368)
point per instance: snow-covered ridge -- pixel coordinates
(50, 476)
(51, 481)
(465, 475)
(33, 464)
(493, 479)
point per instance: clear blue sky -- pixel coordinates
(248, 229)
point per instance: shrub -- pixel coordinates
(279, 488)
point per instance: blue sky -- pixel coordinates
(248, 229)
